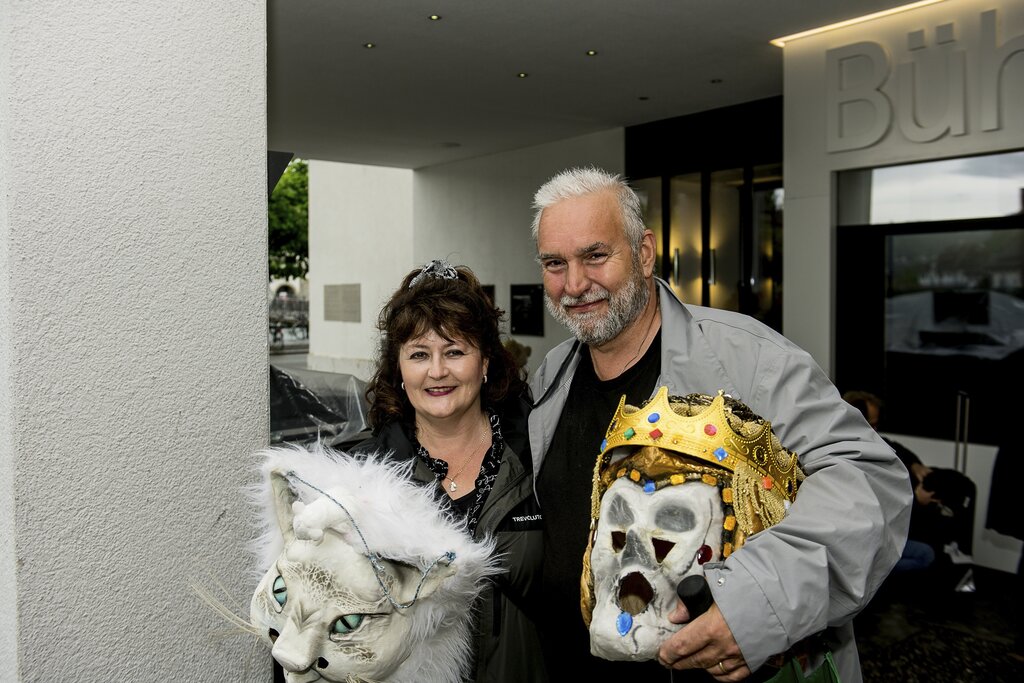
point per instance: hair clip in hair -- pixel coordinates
(438, 269)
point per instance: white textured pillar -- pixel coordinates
(133, 385)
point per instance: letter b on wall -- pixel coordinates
(858, 114)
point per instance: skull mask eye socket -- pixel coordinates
(662, 548)
(618, 540)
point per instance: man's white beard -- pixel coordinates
(593, 327)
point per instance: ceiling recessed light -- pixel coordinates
(369, 46)
(522, 74)
(591, 53)
(435, 17)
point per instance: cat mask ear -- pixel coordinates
(412, 584)
(284, 496)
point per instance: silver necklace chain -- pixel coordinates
(657, 305)
(453, 487)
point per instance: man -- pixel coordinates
(808, 575)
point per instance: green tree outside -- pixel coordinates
(288, 223)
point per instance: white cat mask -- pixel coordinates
(368, 579)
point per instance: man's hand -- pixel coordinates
(706, 643)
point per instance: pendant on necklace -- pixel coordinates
(452, 487)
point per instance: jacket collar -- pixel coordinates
(688, 363)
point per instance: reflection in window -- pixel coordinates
(953, 189)
(956, 293)
(930, 291)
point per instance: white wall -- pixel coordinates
(132, 161)
(477, 213)
(886, 124)
(8, 567)
(360, 232)
(373, 225)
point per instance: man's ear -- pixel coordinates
(284, 497)
(648, 252)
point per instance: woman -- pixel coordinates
(447, 393)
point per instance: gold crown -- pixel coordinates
(706, 436)
(757, 478)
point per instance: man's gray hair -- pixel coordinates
(578, 182)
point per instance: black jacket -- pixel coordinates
(507, 648)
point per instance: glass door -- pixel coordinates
(764, 296)
(727, 194)
(685, 238)
(720, 233)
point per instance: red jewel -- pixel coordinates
(710, 430)
(703, 554)
(655, 433)
(767, 482)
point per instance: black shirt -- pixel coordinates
(563, 489)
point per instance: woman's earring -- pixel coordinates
(485, 379)
(403, 386)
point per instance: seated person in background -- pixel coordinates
(941, 497)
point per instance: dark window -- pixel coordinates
(930, 313)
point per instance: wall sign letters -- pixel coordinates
(924, 96)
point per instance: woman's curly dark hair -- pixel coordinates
(456, 309)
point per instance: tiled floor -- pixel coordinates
(916, 631)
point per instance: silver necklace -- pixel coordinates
(657, 305)
(453, 487)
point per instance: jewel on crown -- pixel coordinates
(706, 435)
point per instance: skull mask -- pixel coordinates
(679, 483)
(646, 543)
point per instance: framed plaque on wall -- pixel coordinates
(527, 310)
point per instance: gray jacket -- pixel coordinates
(814, 571)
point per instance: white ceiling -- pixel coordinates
(437, 91)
